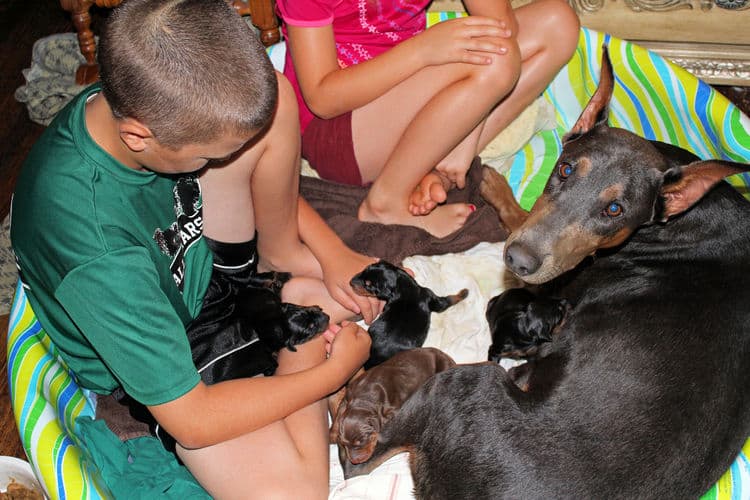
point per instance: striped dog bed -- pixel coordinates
(652, 97)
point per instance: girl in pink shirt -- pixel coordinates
(385, 102)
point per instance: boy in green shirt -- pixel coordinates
(189, 144)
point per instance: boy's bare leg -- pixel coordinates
(286, 459)
(313, 292)
(258, 190)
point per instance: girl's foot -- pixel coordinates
(431, 191)
(440, 222)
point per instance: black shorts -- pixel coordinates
(223, 345)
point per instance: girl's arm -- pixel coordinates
(210, 414)
(338, 262)
(330, 90)
(502, 10)
(291, 235)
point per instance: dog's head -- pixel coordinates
(356, 427)
(520, 323)
(607, 183)
(380, 280)
(304, 322)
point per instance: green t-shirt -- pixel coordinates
(113, 260)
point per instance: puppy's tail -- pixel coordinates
(440, 304)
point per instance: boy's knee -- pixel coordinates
(284, 490)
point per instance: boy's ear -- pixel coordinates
(134, 134)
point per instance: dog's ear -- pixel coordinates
(682, 187)
(335, 401)
(386, 413)
(597, 110)
(337, 407)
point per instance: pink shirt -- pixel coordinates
(362, 29)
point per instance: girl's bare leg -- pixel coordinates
(547, 37)
(546, 43)
(405, 125)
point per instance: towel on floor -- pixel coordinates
(338, 204)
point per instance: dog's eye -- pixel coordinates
(368, 282)
(564, 170)
(614, 209)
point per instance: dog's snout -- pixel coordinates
(520, 260)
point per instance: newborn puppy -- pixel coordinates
(278, 324)
(521, 322)
(367, 402)
(405, 319)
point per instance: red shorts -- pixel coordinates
(327, 145)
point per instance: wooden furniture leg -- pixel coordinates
(263, 17)
(261, 12)
(88, 72)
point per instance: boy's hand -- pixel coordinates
(349, 345)
(464, 40)
(337, 272)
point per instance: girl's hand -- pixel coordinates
(350, 346)
(467, 39)
(338, 271)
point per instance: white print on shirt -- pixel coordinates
(187, 228)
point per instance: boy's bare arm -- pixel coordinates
(207, 415)
(275, 191)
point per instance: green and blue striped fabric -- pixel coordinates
(46, 402)
(652, 97)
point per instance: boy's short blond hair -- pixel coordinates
(188, 69)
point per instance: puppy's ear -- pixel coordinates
(335, 402)
(337, 410)
(386, 413)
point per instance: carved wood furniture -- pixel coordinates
(261, 13)
(709, 38)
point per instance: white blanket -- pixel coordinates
(461, 331)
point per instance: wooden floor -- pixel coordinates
(21, 23)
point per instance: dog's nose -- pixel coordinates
(519, 260)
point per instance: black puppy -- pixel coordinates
(278, 324)
(405, 319)
(520, 322)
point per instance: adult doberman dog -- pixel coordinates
(650, 396)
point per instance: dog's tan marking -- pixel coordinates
(583, 166)
(616, 239)
(612, 193)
